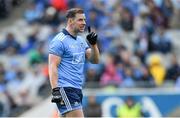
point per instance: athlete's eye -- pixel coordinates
(82, 20)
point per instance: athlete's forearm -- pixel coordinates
(53, 75)
(95, 54)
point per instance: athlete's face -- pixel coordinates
(79, 23)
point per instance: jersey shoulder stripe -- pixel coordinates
(61, 36)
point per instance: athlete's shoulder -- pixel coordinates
(56, 45)
(60, 37)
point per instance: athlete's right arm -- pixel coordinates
(54, 61)
(53, 75)
(56, 50)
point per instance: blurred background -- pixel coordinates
(139, 71)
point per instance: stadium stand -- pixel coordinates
(138, 40)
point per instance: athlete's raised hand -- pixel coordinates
(92, 36)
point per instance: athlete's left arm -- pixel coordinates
(92, 54)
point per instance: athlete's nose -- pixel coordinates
(84, 22)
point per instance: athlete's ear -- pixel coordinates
(70, 20)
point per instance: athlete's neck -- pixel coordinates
(71, 31)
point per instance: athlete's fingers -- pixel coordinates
(89, 29)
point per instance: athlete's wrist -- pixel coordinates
(56, 89)
(94, 46)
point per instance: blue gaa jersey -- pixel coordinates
(72, 52)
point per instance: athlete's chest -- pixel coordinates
(75, 52)
(75, 46)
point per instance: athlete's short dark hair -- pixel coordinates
(71, 13)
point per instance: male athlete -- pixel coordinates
(67, 54)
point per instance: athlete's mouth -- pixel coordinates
(82, 28)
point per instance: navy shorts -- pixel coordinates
(71, 100)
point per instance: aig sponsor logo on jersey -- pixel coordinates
(72, 46)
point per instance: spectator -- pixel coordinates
(93, 19)
(167, 10)
(32, 14)
(11, 45)
(109, 38)
(141, 46)
(12, 73)
(136, 68)
(128, 80)
(132, 5)
(129, 109)
(146, 80)
(59, 5)
(93, 109)
(174, 69)
(125, 56)
(32, 41)
(52, 16)
(127, 20)
(3, 10)
(37, 56)
(93, 73)
(161, 42)
(156, 15)
(157, 69)
(110, 77)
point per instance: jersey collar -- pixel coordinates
(67, 33)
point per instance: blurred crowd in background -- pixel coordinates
(6, 7)
(137, 41)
